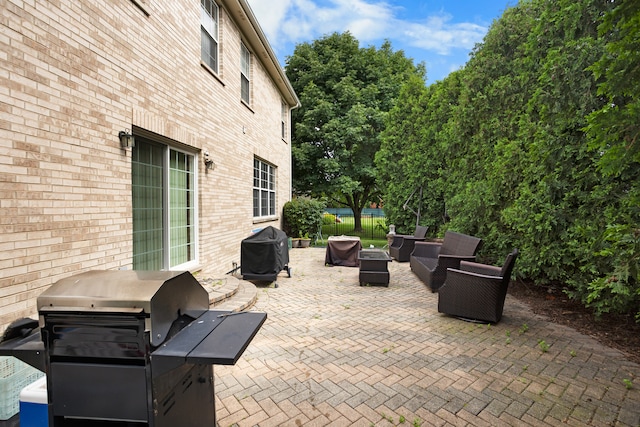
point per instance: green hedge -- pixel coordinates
(534, 145)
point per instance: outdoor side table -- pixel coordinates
(374, 267)
(342, 250)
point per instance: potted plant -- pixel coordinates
(304, 241)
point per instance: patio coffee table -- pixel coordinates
(373, 267)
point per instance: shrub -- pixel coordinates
(617, 291)
(328, 219)
(302, 217)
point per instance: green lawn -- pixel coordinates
(374, 232)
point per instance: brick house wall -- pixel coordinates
(74, 74)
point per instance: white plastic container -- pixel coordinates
(14, 376)
(33, 405)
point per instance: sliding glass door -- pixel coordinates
(164, 207)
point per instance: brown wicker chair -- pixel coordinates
(430, 260)
(476, 291)
(402, 246)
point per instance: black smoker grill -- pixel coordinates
(128, 348)
(264, 255)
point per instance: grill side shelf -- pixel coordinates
(225, 344)
(29, 349)
(216, 337)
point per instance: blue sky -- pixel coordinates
(440, 33)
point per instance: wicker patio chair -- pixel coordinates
(476, 291)
(402, 245)
(430, 260)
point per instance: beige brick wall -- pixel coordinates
(72, 75)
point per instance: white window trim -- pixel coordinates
(211, 24)
(245, 72)
(260, 189)
(284, 118)
(195, 263)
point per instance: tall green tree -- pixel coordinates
(346, 92)
(614, 137)
(412, 155)
(556, 208)
(615, 128)
(535, 144)
(484, 162)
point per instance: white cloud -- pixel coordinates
(295, 21)
(437, 34)
(434, 38)
(270, 15)
(288, 22)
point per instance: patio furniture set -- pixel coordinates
(347, 251)
(466, 289)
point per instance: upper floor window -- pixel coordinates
(284, 113)
(245, 68)
(209, 23)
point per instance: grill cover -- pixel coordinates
(264, 254)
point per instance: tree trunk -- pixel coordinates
(356, 206)
(357, 220)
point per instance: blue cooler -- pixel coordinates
(33, 405)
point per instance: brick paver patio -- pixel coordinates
(333, 353)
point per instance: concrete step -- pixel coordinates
(243, 299)
(230, 293)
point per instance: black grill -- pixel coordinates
(131, 348)
(264, 255)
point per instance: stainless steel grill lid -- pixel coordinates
(162, 295)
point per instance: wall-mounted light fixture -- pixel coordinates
(208, 161)
(126, 139)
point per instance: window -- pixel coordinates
(264, 189)
(245, 68)
(283, 115)
(164, 207)
(209, 20)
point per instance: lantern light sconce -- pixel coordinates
(126, 139)
(208, 161)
